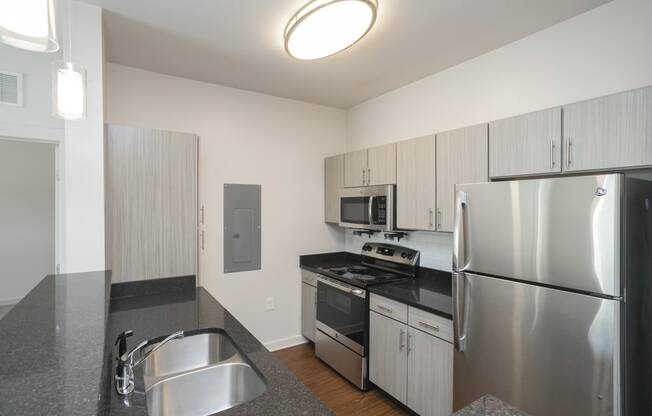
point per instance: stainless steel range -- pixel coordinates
(342, 335)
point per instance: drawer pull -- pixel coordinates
(385, 308)
(429, 326)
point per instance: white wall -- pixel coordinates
(82, 239)
(603, 51)
(253, 138)
(34, 119)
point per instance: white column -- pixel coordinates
(82, 238)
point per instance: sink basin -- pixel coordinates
(205, 392)
(199, 375)
(188, 353)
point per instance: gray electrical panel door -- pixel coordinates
(241, 228)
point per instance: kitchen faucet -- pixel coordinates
(124, 373)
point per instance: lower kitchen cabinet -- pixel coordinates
(308, 304)
(413, 366)
(430, 370)
(388, 355)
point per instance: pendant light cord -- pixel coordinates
(69, 30)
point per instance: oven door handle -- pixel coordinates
(354, 291)
(371, 210)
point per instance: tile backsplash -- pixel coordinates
(436, 248)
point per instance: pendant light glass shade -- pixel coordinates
(29, 24)
(68, 91)
(325, 27)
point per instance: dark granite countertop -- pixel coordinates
(489, 406)
(430, 291)
(52, 347)
(156, 314)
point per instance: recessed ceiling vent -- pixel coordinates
(11, 88)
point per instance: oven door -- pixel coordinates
(341, 312)
(369, 208)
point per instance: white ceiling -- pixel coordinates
(239, 43)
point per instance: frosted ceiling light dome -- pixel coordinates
(324, 27)
(29, 24)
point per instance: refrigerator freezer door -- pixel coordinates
(562, 232)
(545, 351)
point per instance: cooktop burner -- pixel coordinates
(362, 275)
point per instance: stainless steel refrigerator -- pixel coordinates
(542, 319)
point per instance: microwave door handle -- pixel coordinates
(371, 211)
(459, 241)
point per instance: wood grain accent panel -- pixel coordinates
(462, 157)
(150, 203)
(333, 183)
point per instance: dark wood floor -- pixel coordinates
(338, 394)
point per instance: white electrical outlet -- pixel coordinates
(269, 304)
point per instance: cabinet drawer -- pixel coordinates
(388, 307)
(309, 277)
(431, 323)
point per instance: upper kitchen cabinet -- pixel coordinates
(355, 168)
(333, 183)
(381, 165)
(375, 166)
(529, 144)
(415, 184)
(609, 132)
(461, 158)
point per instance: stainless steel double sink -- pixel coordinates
(199, 375)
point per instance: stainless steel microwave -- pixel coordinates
(368, 207)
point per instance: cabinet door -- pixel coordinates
(382, 165)
(388, 355)
(355, 168)
(609, 132)
(462, 157)
(308, 310)
(415, 184)
(528, 144)
(430, 374)
(333, 183)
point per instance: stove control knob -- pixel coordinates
(404, 254)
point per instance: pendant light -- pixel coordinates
(68, 84)
(325, 27)
(29, 24)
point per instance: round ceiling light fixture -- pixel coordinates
(324, 27)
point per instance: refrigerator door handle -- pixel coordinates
(459, 309)
(459, 243)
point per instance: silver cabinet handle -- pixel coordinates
(315, 300)
(429, 326)
(202, 240)
(430, 220)
(552, 154)
(385, 308)
(438, 219)
(569, 149)
(409, 342)
(363, 179)
(401, 343)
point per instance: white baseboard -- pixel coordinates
(9, 301)
(279, 344)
